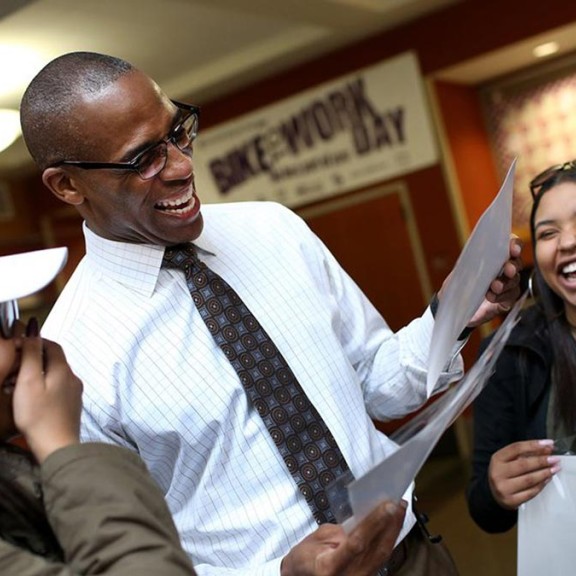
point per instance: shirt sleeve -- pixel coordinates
(391, 366)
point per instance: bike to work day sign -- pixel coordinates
(360, 129)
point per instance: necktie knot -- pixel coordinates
(182, 257)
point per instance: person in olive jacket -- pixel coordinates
(526, 415)
(66, 508)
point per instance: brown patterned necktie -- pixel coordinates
(302, 437)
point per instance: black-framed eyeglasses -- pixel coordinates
(8, 316)
(548, 175)
(151, 162)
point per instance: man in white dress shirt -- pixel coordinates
(112, 144)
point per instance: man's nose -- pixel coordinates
(178, 163)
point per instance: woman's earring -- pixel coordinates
(531, 285)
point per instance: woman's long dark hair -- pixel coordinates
(552, 306)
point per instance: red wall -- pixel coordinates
(451, 36)
(472, 158)
(448, 37)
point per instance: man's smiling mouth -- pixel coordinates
(178, 206)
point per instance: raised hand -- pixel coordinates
(504, 290)
(520, 471)
(47, 399)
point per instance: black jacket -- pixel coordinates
(512, 407)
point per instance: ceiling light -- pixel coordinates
(9, 127)
(18, 65)
(546, 49)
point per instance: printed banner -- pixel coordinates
(363, 128)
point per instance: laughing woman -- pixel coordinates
(66, 508)
(527, 412)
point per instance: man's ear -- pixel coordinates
(59, 182)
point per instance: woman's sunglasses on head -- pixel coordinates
(548, 176)
(8, 316)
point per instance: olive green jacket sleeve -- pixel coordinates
(108, 515)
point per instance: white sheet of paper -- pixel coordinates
(391, 478)
(546, 526)
(46, 263)
(480, 261)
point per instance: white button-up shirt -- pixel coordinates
(156, 382)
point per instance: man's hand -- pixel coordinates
(519, 471)
(504, 289)
(329, 551)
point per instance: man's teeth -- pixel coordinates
(177, 205)
(569, 268)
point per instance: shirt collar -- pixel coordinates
(134, 265)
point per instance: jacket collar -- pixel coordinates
(532, 333)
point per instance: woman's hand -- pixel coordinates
(47, 399)
(520, 471)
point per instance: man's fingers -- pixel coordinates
(512, 268)
(370, 543)
(381, 527)
(516, 246)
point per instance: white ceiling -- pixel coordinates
(203, 48)
(200, 47)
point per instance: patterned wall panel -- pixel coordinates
(534, 121)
